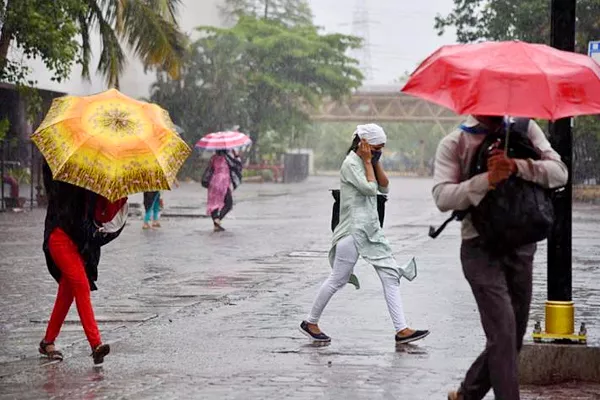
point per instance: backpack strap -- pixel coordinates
(521, 125)
(456, 215)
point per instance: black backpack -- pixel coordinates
(335, 213)
(517, 212)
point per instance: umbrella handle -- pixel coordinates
(506, 140)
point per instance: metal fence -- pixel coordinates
(20, 169)
(586, 159)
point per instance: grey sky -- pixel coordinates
(401, 35)
(401, 31)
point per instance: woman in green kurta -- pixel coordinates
(359, 234)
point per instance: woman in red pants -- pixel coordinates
(72, 256)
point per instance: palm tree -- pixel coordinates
(148, 27)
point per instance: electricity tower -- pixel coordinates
(360, 28)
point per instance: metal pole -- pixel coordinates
(561, 137)
(559, 307)
(2, 204)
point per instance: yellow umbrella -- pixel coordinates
(111, 144)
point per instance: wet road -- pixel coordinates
(194, 314)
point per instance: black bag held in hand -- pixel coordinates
(207, 176)
(517, 212)
(335, 215)
(92, 233)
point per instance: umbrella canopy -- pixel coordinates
(230, 140)
(111, 144)
(509, 78)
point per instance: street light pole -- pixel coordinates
(560, 315)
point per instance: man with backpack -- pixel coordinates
(474, 176)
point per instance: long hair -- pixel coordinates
(355, 143)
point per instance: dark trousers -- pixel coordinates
(501, 284)
(220, 214)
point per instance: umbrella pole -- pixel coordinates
(506, 139)
(560, 309)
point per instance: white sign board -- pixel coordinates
(594, 51)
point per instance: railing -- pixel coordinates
(276, 169)
(20, 169)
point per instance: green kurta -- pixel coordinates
(359, 218)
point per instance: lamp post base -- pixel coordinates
(559, 324)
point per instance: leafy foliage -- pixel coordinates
(529, 20)
(50, 30)
(4, 127)
(288, 12)
(262, 75)
(149, 27)
(41, 29)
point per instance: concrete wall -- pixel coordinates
(134, 82)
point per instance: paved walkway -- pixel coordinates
(193, 314)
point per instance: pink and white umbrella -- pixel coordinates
(230, 140)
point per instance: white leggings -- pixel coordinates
(346, 257)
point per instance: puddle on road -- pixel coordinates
(104, 318)
(410, 349)
(308, 254)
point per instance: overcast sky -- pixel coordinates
(401, 31)
(401, 35)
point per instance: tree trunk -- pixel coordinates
(5, 37)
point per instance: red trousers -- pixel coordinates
(73, 285)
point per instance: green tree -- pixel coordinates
(50, 30)
(261, 75)
(40, 29)
(149, 27)
(210, 94)
(290, 69)
(288, 12)
(527, 20)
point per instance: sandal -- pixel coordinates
(53, 355)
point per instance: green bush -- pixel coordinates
(267, 175)
(249, 173)
(21, 175)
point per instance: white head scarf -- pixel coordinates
(372, 133)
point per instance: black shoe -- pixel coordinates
(99, 353)
(317, 337)
(417, 335)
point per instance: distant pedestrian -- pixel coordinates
(500, 277)
(153, 205)
(78, 223)
(223, 175)
(359, 233)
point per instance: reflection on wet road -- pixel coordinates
(194, 314)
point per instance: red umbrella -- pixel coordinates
(509, 78)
